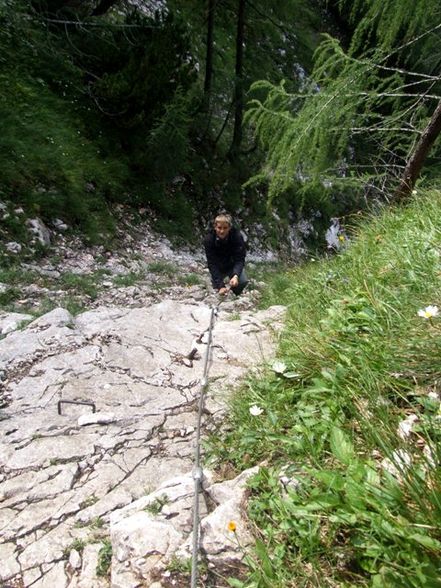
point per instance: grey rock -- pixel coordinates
(142, 542)
(96, 418)
(54, 576)
(8, 557)
(11, 321)
(37, 227)
(87, 577)
(74, 559)
(131, 465)
(59, 225)
(13, 246)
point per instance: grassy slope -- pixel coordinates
(359, 504)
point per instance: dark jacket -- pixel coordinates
(224, 256)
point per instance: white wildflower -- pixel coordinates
(433, 395)
(279, 367)
(256, 410)
(428, 312)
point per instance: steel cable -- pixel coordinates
(197, 470)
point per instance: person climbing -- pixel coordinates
(225, 250)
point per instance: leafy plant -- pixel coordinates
(9, 296)
(182, 566)
(77, 544)
(97, 523)
(83, 284)
(156, 505)
(104, 559)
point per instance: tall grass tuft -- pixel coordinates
(350, 423)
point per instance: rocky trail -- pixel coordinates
(98, 419)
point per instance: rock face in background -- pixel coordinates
(74, 482)
(39, 231)
(138, 268)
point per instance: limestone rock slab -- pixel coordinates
(63, 481)
(9, 566)
(143, 543)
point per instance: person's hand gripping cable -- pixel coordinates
(233, 283)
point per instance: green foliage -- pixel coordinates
(279, 37)
(168, 141)
(111, 109)
(156, 505)
(77, 123)
(353, 125)
(48, 163)
(345, 497)
(141, 68)
(162, 267)
(9, 296)
(104, 559)
(89, 501)
(77, 544)
(309, 137)
(129, 279)
(83, 284)
(392, 23)
(190, 279)
(182, 566)
(97, 523)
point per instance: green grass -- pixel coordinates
(104, 559)
(129, 279)
(13, 278)
(77, 544)
(164, 268)
(97, 523)
(77, 287)
(358, 361)
(81, 284)
(72, 303)
(8, 298)
(15, 275)
(156, 506)
(179, 565)
(190, 279)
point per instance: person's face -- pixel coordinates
(222, 229)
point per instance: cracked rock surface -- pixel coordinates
(101, 415)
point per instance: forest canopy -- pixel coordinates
(275, 111)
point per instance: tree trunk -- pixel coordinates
(238, 88)
(418, 157)
(209, 53)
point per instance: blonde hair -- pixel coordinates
(223, 217)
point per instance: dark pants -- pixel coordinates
(243, 281)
